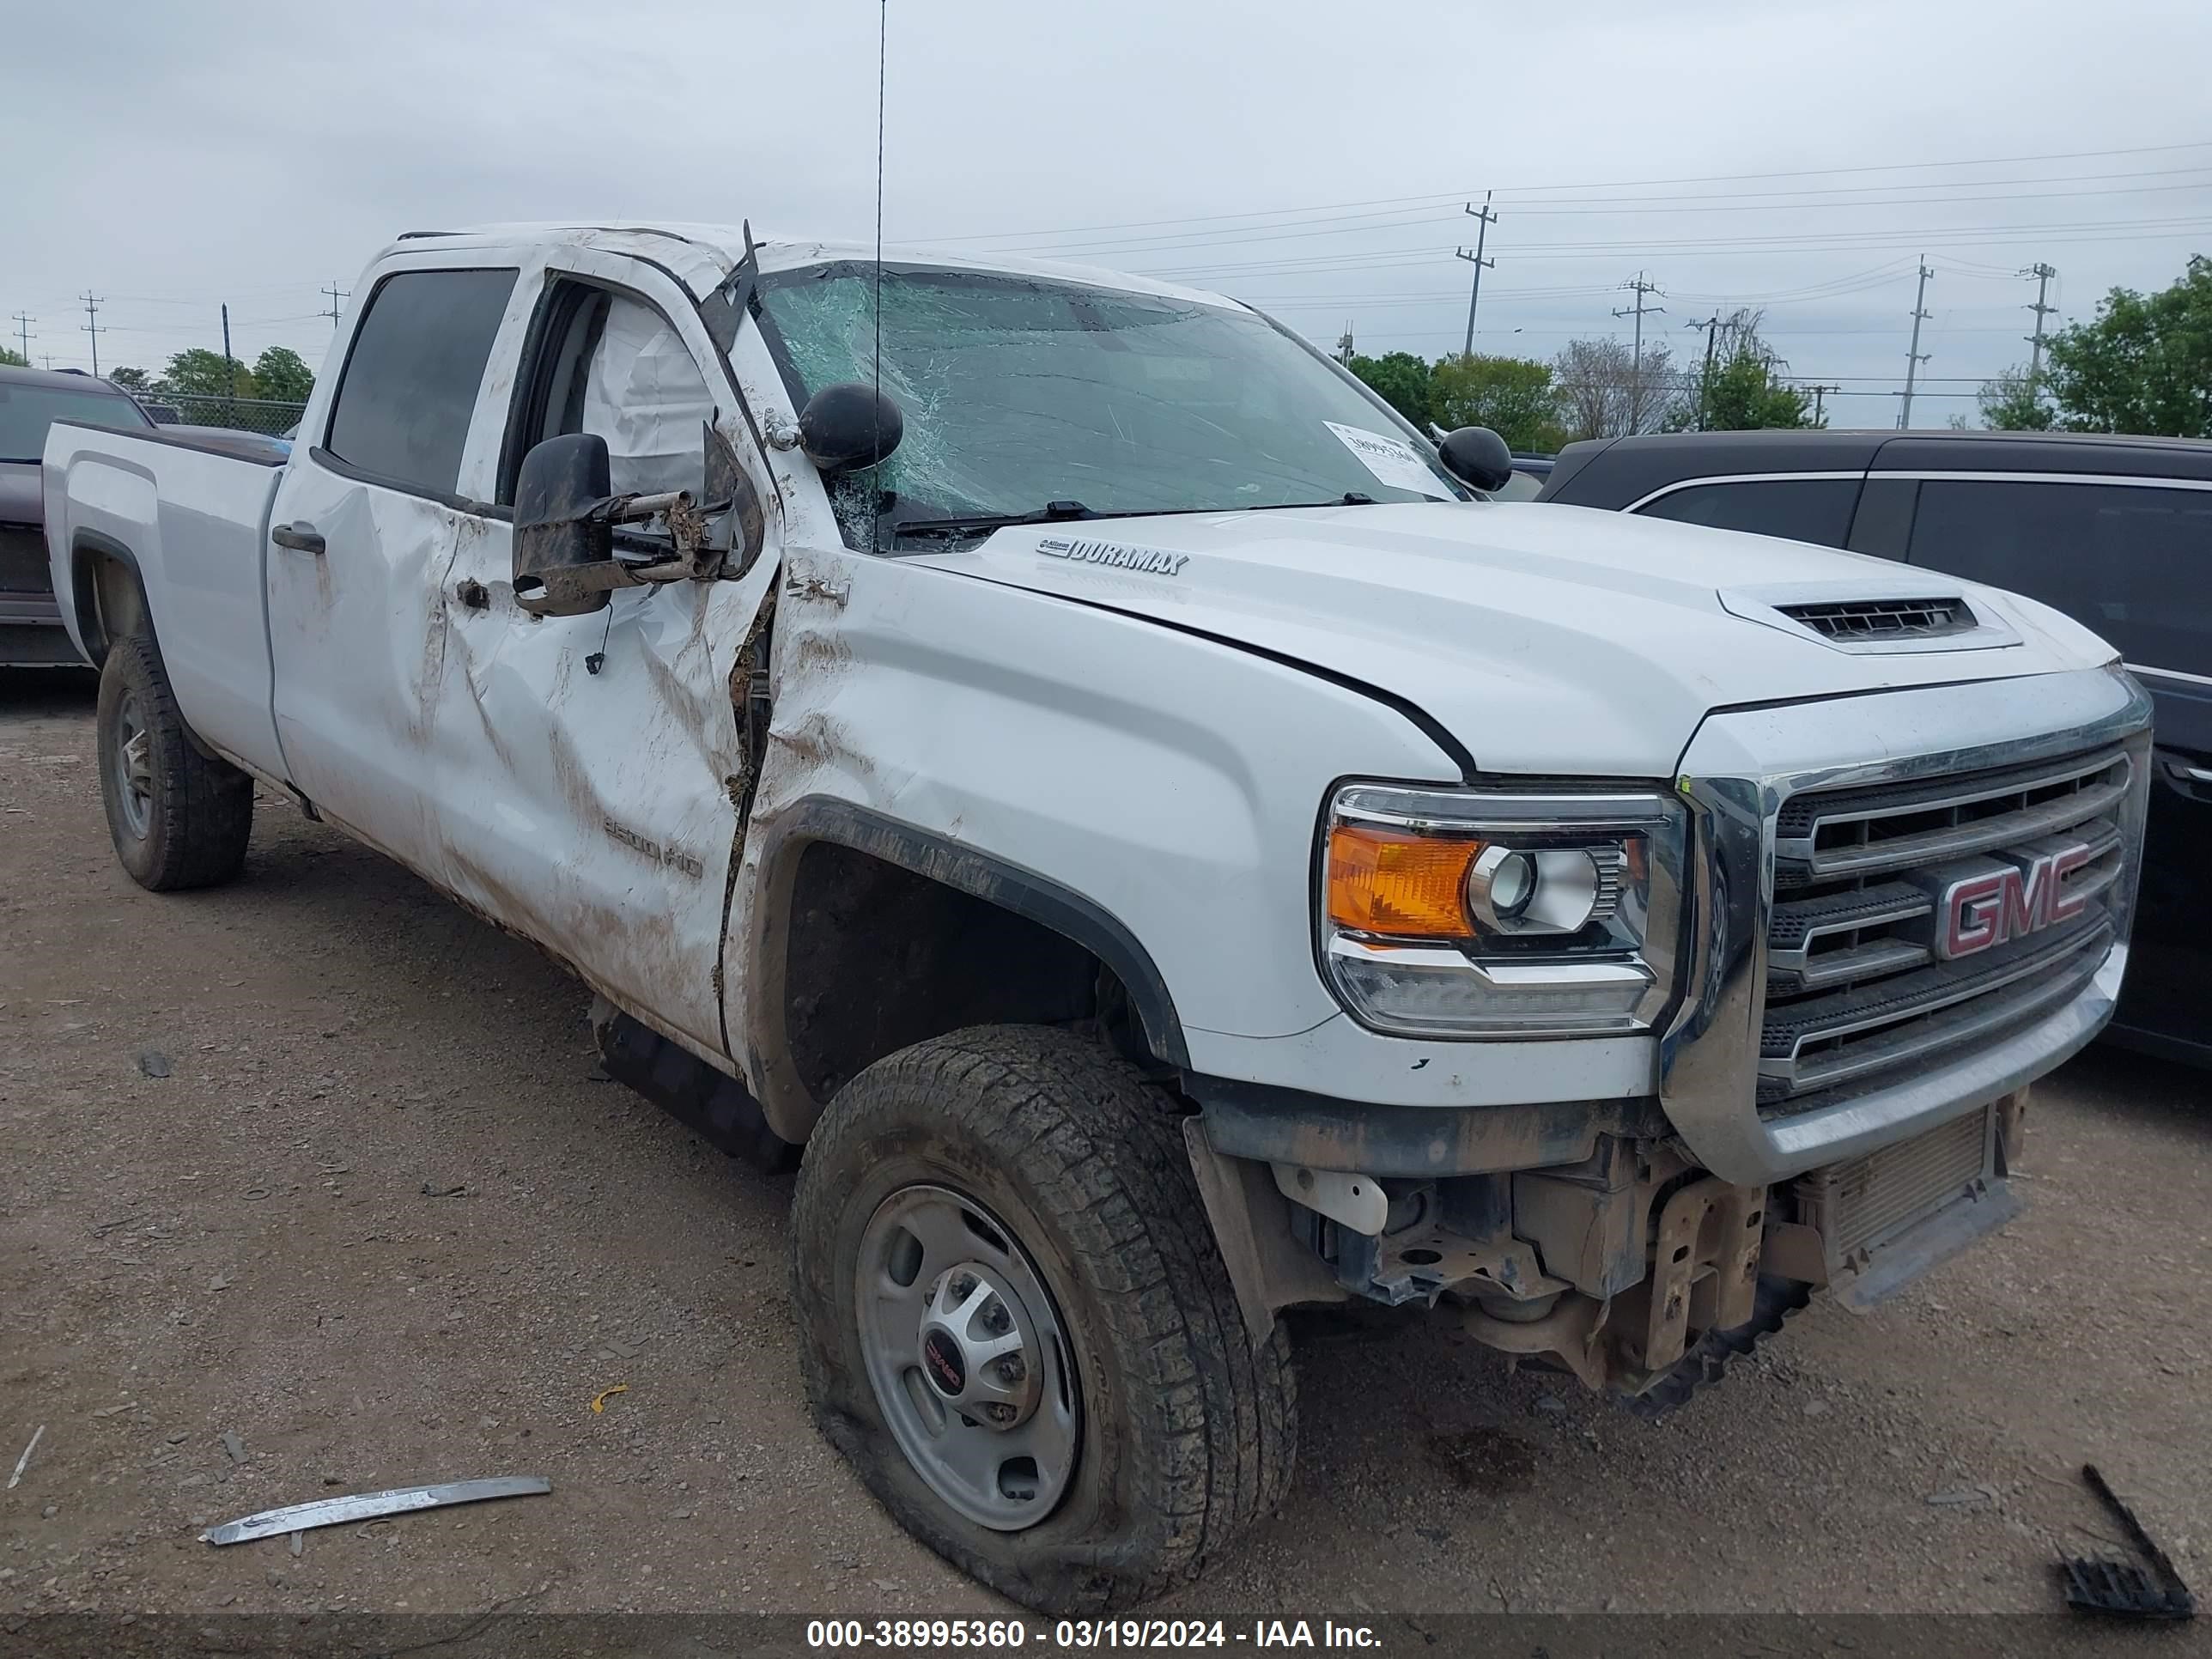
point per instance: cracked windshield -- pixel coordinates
(1019, 394)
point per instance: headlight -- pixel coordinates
(1449, 912)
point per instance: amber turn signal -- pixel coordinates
(1385, 881)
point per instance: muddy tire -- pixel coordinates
(178, 818)
(1031, 1188)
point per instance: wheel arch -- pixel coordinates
(1017, 933)
(108, 593)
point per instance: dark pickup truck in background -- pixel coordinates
(2115, 532)
(31, 400)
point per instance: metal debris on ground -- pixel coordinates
(2095, 1584)
(461, 1191)
(599, 1399)
(24, 1462)
(365, 1506)
(154, 1063)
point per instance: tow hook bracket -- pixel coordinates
(1707, 1223)
(1352, 1200)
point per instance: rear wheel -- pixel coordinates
(178, 818)
(1016, 1326)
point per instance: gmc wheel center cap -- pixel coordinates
(978, 1347)
(943, 1363)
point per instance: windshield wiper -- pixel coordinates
(1050, 513)
(1349, 498)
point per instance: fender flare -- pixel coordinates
(954, 864)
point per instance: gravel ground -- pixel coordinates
(372, 1216)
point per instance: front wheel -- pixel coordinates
(1017, 1328)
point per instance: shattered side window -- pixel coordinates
(1017, 392)
(645, 396)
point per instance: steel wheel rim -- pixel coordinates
(917, 1317)
(132, 767)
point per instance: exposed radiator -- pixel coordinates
(1860, 1205)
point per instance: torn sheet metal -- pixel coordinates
(368, 1505)
(646, 397)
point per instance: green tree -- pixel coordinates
(204, 374)
(1511, 395)
(13, 359)
(2144, 365)
(131, 379)
(1400, 379)
(280, 373)
(1743, 395)
(2009, 404)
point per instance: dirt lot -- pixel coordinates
(379, 1222)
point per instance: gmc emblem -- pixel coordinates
(1976, 912)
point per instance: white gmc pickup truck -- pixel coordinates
(1056, 748)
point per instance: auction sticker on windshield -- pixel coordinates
(1392, 461)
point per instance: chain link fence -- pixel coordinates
(273, 417)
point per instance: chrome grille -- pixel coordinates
(1883, 619)
(1857, 988)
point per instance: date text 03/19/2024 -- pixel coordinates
(1083, 1635)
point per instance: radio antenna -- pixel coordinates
(875, 473)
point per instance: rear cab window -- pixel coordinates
(1801, 509)
(408, 389)
(2133, 561)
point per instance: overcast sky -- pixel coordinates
(1309, 157)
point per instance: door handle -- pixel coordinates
(300, 537)
(2182, 771)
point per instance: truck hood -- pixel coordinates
(1548, 639)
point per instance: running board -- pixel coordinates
(714, 1104)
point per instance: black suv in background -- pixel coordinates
(2115, 532)
(31, 400)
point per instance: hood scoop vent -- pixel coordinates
(1883, 619)
(1847, 618)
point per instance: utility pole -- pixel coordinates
(1819, 401)
(91, 326)
(334, 294)
(1344, 344)
(23, 333)
(1485, 218)
(1914, 356)
(1711, 328)
(1642, 289)
(2043, 273)
(229, 368)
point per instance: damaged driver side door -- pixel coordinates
(596, 764)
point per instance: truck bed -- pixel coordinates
(187, 513)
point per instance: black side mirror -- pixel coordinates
(559, 520)
(850, 425)
(1477, 455)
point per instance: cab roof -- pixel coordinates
(701, 256)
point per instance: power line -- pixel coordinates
(1642, 289)
(334, 294)
(23, 333)
(1440, 198)
(1821, 395)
